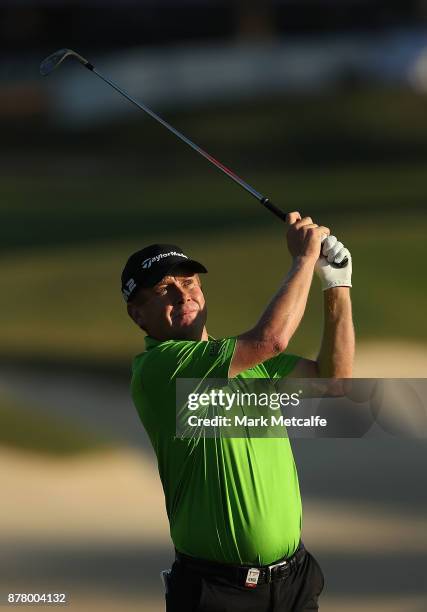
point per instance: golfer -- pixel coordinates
(234, 504)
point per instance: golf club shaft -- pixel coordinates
(261, 198)
(55, 59)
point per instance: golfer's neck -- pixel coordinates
(200, 336)
(195, 335)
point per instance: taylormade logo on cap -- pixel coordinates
(147, 263)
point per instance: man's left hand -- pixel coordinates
(331, 276)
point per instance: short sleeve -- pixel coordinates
(281, 365)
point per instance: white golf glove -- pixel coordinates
(330, 276)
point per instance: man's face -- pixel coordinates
(173, 309)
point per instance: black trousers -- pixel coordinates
(190, 591)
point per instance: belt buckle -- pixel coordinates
(273, 566)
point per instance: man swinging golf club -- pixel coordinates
(233, 503)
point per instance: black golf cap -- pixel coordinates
(147, 267)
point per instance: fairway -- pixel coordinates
(65, 303)
(77, 204)
(42, 211)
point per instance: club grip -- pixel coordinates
(342, 264)
(273, 208)
(282, 215)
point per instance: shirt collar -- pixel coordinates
(151, 342)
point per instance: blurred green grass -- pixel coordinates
(349, 123)
(30, 429)
(350, 151)
(65, 303)
(40, 211)
(73, 205)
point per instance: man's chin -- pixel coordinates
(186, 320)
(187, 327)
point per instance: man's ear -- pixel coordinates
(135, 314)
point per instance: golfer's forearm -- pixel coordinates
(283, 315)
(337, 350)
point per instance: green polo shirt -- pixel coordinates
(230, 500)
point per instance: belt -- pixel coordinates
(247, 575)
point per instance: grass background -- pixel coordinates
(62, 301)
(74, 204)
(37, 431)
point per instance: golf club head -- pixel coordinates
(50, 63)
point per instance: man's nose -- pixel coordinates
(181, 293)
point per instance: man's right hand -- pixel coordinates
(282, 316)
(304, 237)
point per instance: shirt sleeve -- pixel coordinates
(281, 365)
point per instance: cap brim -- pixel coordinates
(166, 269)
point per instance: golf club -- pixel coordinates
(53, 61)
